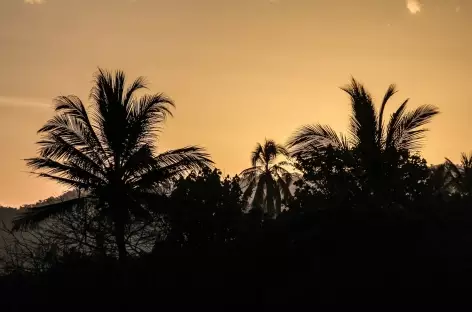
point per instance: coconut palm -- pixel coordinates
(108, 150)
(368, 132)
(460, 180)
(378, 147)
(267, 180)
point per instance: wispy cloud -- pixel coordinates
(23, 102)
(34, 1)
(44, 1)
(414, 6)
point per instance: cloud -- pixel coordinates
(414, 6)
(44, 1)
(22, 102)
(34, 1)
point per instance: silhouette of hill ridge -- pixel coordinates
(8, 213)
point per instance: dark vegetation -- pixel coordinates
(325, 212)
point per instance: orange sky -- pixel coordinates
(238, 70)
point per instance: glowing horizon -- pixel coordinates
(238, 71)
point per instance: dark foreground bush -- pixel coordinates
(298, 259)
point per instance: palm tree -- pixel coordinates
(367, 129)
(267, 180)
(460, 176)
(108, 152)
(379, 146)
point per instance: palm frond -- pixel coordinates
(363, 125)
(249, 189)
(409, 136)
(145, 119)
(111, 115)
(285, 163)
(460, 177)
(442, 178)
(65, 170)
(394, 124)
(73, 107)
(315, 136)
(392, 89)
(138, 83)
(56, 148)
(173, 164)
(282, 150)
(250, 174)
(31, 217)
(119, 86)
(139, 162)
(102, 92)
(283, 186)
(73, 183)
(190, 158)
(256, 155)
(258, 200)
(345, 143)
(271, 150)
(77, 134)
(277, 169)
(283, 180)
(452, 168)
(466, 160)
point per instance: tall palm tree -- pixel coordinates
(379, 147)
(368, 132)
(108, 151)
(460, 176)
(267, 180)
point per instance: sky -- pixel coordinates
(239, 71)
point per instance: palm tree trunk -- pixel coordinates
(120, 241)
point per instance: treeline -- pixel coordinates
(323, 211)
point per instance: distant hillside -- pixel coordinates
(7, 213)
(66, 196)
(6, 216)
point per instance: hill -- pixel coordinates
(8, 213)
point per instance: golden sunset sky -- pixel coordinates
(238, 70)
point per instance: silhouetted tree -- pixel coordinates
(460, 176)
(108, 151)
(205, 209)
(269, 182)
(203, 242)
(330, 180)
(379, 149)
(440, 181)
